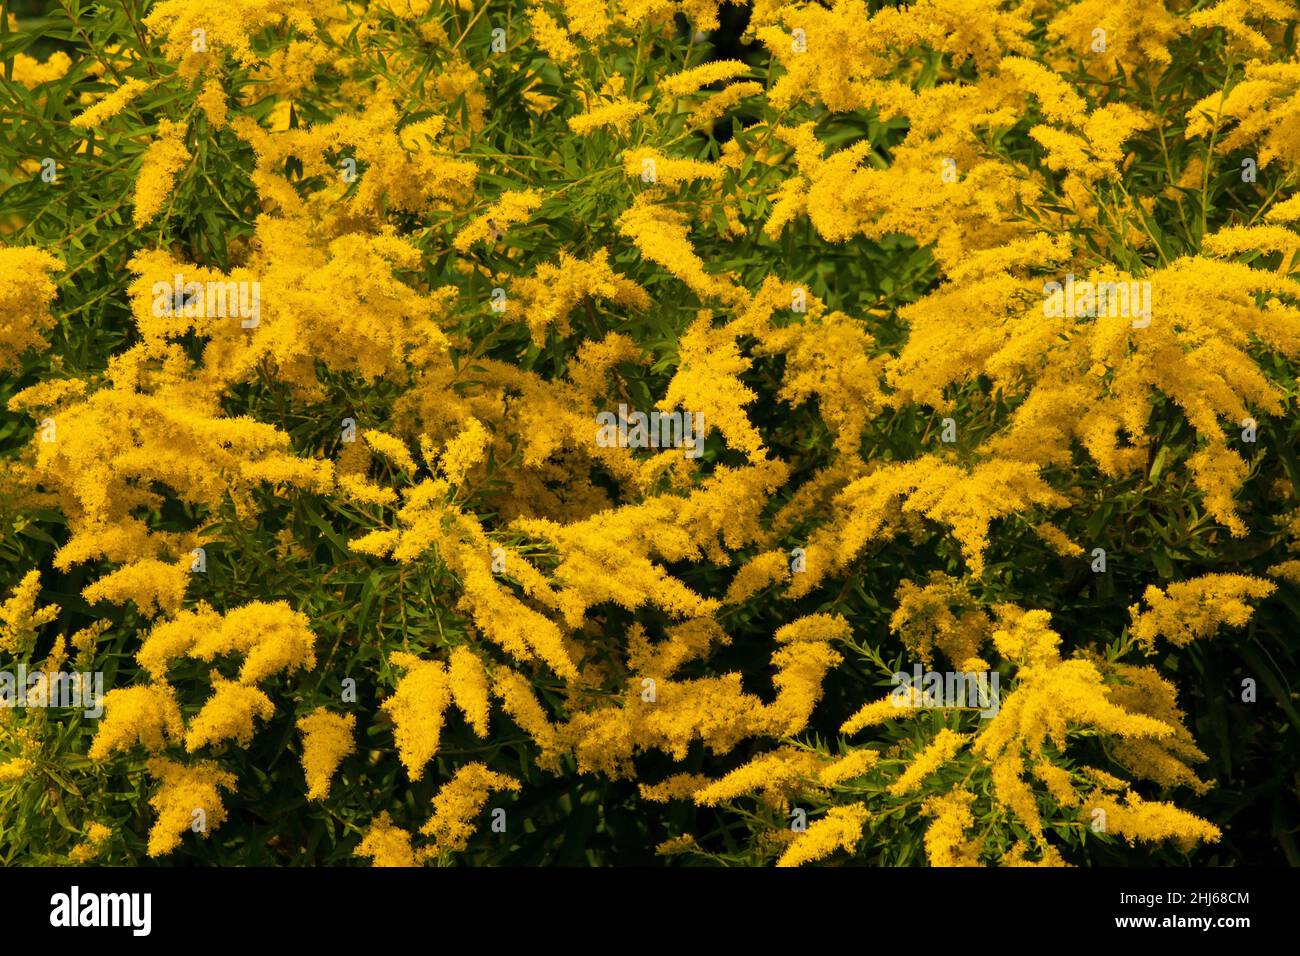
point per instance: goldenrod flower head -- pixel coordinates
(20, 619)
(841, 828)
(468, 681)
(777, 774)
(511, 208)
(458, 801)
(32, 73)
(228, 715)
(1152, 821)
(416, 708)
(1188, 610)
(696, 78)
(326, 739)
(387, 844)
(188, 799)
(945, 839)
(272, 637)
(16, 769)
(618, 113)
(551, 37)
(163, 160)
(942, 749)
(96, 835)
(148, 715)
(110, 105)
(26, 292)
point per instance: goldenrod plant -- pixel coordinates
(446, 432)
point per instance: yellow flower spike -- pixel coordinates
(26, 292)
(187, 800)
(1136, 820)
(110, 105)
(386, 844)
(20, 619)
(552, 38)
(228, 715)
(272, 637)
(1011, 791)
(458, 801)
(852, 765)
(511, 208)
(841, 828)
(1188, 610)
(945, 838)
(16, 769)
(416, 708)
(394, 449)
(326, 739)
(778, 775)
(163, 160)
(618, 113)
(96, 835)
(941, 749)
(148, 714)
(468, 681)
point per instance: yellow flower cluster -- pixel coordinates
(440, 259)
(1197, 608)
(26, 292)
(327, 739)
(188, 800)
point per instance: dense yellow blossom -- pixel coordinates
(387, 844)
(458, 801)
(326, 739)
(942, 615)
(25, 295)
(839, 829)
(228, 714)
(188, 799)
(946, 843)
(878, 711)
(617, 113)
(551, 37)
(110, 105)
(552, 293)
(416, 708)
(1193, 609)
(468, 682)
(32, 73)
(20, 618)
(940, 750)
(777, 774)
(1152, 821)
(15, 769)
(661, 235)
(688, 81)
(511, 208)
(96, 835)
(463, 452)
(163, 159)
(852, 765)
(978, 344)
(272, 637)
(1012, 792)
(148, 715)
